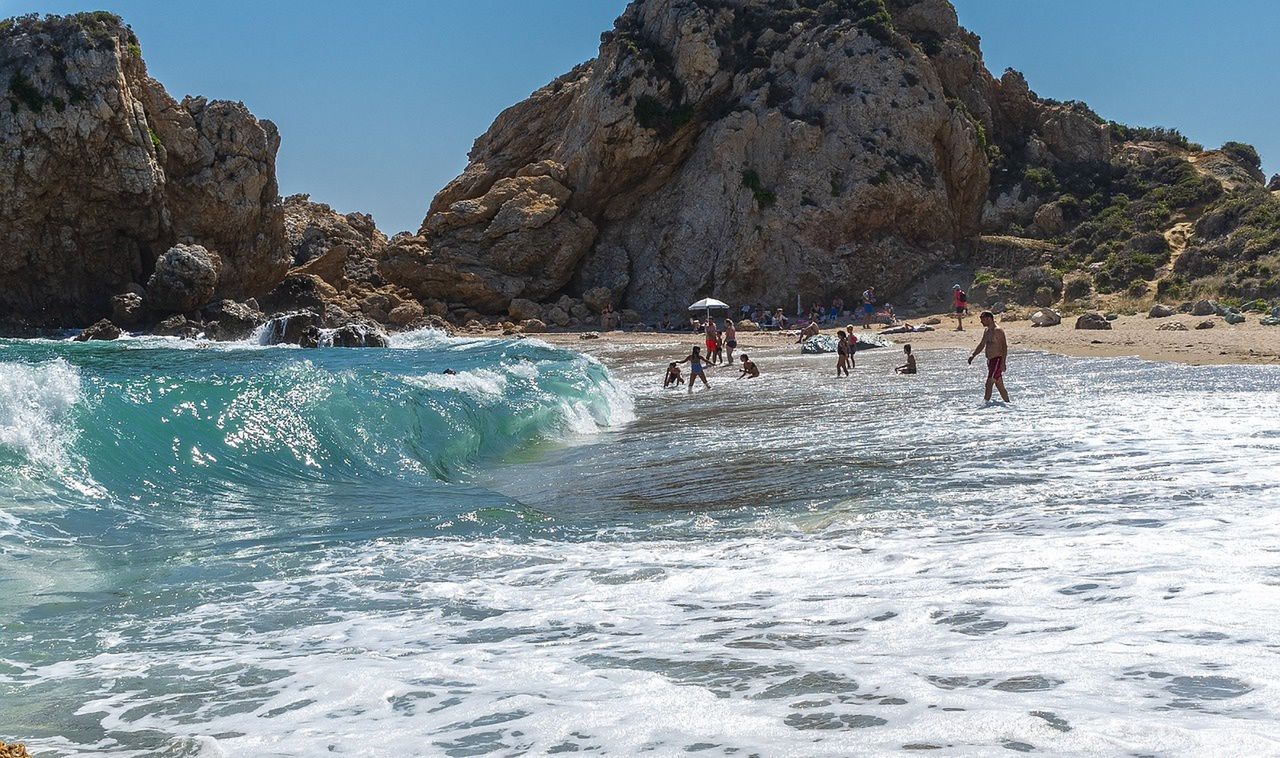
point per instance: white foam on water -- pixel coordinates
(966, 632)
(34, 405)
(806, 567)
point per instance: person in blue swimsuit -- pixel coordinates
(697, 368)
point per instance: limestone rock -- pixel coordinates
(1046, 317)
(533, 326)
(127, 309)
(356, 335)
(1092, 321)
(522, 309)
(232, 320)
(1172, 326)
(406, 313)
(589, 336)
(185, 279)
(556, 316)
(177, 326)
(103, 172)
(1206, 324)
(1161, 311)
(102, 330)
(747, 325)
(300, 328)
(597, 298)
(672, 164)
(1274, 183)
(1049, 220)
(1204, 308)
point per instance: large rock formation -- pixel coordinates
(103, 171)
(757, 151)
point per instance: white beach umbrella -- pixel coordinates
(706, 304)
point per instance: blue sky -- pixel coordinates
(379, 102)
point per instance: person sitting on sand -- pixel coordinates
(997, 348)
(910, 366)
(780, 319)
(842, 355)
(810, 329)
(749, 369)
(674, 378)
(697, 367)
(730, 340)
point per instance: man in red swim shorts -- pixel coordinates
(997, 350)
(712, 338)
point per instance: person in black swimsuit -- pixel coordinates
(842, 355)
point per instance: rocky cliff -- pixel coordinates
(763, 150)
(103, 172)
(757, 151)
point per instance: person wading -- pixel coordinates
(997, 349)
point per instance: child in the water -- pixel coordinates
(674, 378)
(910, 366)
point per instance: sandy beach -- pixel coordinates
(1136, 336)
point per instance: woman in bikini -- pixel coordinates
(697, 368)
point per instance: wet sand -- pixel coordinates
(1136, 336)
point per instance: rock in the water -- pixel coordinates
(355, 335)
(103, 330)
(177, 326)
(127, 309)
(822, 343)
(301, 328)
(1092, 321)
(1204, 308)
(1046, 317)
(232, 320)
(1161, 311)
(185, 279)
(1172, 326)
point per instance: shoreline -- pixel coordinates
(1225, 344)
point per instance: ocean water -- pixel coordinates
(236, 550)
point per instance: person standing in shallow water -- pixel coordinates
(711, 339)
(730, 340)
(697, 368)
(997, 349)
(842, 355)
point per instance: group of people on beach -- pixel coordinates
(720, 345)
